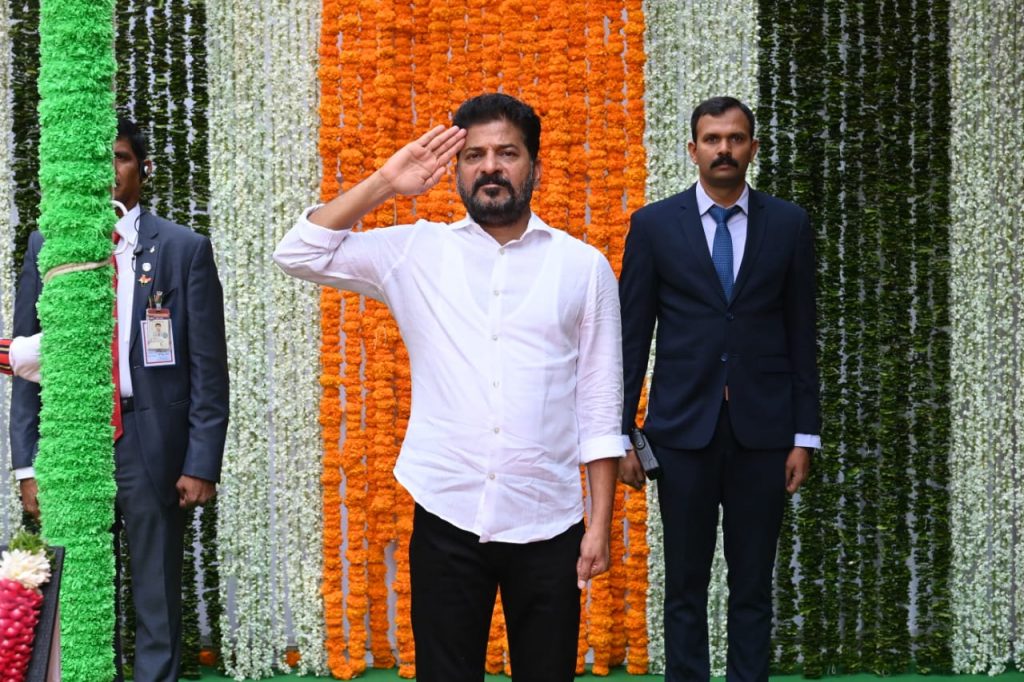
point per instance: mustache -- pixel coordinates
(724, 160)
(492, 179)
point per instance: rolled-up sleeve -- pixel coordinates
(344, 259)
(599, 370)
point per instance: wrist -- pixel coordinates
(380, 187)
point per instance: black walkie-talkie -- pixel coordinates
(644, 453)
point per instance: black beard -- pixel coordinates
(491, 214)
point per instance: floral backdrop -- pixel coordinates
(895, 124)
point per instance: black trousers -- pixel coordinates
(454, 581)
(750, 487)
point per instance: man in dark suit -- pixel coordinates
(174, 410)
(728, 275)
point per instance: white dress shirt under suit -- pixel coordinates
(738, 233)
(516, 363)
(124, 255)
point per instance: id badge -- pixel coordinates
(157, 338)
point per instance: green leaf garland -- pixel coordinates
(851, 105)
(24, 29)
(74, 468)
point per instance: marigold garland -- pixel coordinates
(331, 379)
(494, 664)
(636, 502)
(378, 103)
(389, 71)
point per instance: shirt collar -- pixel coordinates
(128, 225)
(534, 225)
(704, 202)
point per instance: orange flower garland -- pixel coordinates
(578, 120)
(403, 529)
(330, 423)
(491, 28)
(377, 56)
(355, 488)
(398, 61)
(597, 234)
(330, 331)
(617, 581)
(494, 664)
(636, 502)
(614, 75)
(402, 504)
(379, 461)
(351, 167)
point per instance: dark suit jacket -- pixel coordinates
(181, 410)
(762, 343)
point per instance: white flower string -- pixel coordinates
(263, 135)
(10, 506)
(695, 50)
(987, 357)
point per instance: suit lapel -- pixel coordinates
(694, 230)
(755, 237)
(146, 261)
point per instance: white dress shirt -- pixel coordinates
(737, 225)
(124, 253)
(516, 363)
(24, 357)
(738, 232)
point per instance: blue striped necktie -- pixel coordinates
(721, 249)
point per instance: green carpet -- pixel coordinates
(620, 675)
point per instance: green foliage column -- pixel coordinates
(75, 467)
(24, 33)
(854, 104)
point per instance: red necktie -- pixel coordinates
(116, 420)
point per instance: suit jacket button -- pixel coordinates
(730, 317)
(725, 357)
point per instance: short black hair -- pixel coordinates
(716, 106)
(496, 106)
(127, 130)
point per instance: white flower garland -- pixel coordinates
(10, 507)
(695, 50)
(987, 359)
(264, 169)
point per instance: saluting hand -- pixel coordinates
(421, 164)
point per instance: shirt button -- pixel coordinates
(495, 383)
(725, 357)
(497, 429)
(502, 251)
(494, 337)
(497, 293)
(490, 476)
